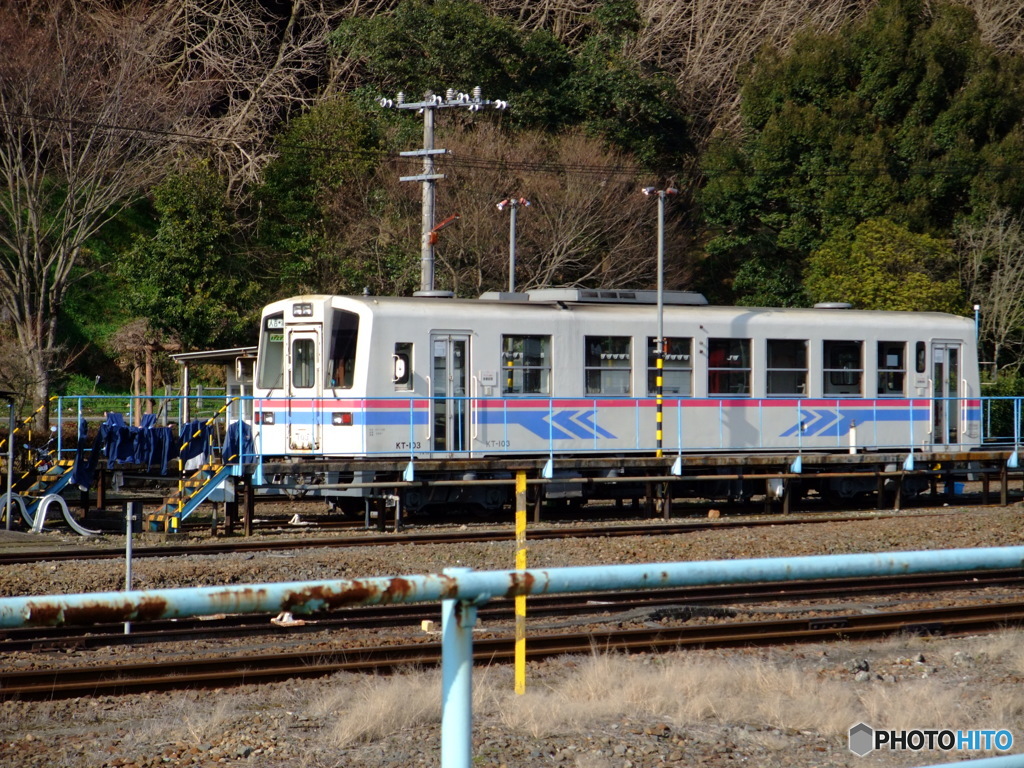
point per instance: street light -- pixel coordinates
(512, 203)
(660, 341)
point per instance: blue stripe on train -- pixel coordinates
(579, 424)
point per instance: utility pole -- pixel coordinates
(512, 203)
(432, 102)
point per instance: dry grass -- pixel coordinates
(690, 688)
(373, 708)
(684, 690)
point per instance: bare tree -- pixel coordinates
(249, 66)
(71, 84)
(705, 44)
(992, 269)
(588, 223)
(1000, 22)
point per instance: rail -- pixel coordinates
(460, 592)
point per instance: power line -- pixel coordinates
(893, 170)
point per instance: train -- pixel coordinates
(575, 373)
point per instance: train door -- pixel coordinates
(305, 388)
(449, 404)
(946, 393)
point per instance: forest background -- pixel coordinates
(169, 166)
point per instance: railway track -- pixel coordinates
(380, 616)
(434, 537)
(232, 670)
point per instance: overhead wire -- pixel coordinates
(526, 166)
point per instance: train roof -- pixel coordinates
(629, 304)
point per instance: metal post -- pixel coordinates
(457, 620)
(10, 456)
(512, 250)
(131, 509)
(512, 204)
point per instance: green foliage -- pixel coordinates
(999, 411)
(882, 265)
(423, 47)
(334, 146)
(896, 116)
(636, 107)
(189, 278)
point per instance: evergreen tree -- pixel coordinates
(902, 115)
(189, 278)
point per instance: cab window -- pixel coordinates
(271, 352)
(341, 364)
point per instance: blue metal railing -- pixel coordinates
(584, 425)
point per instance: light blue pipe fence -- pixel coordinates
(462, 590)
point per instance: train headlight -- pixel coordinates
(302, 309)
(265, 417)
(341, 419)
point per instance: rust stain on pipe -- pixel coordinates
(520, 583)
(357, 592)
(53, 614)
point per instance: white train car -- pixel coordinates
(572, 372)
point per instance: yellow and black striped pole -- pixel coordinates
(520, 649)
(658, 384)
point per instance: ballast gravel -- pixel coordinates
(777, 706)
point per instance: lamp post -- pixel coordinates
(660, 340)
(977, 318)
(512, 204)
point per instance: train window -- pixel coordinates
(919, 354)
(402, 360)
(843, 367)
(787, 367)
(891, 368)
(342, 363)
(303, 363)
(271, 356)
(607, 366)
(677, 367)
(728, 366)
(527, 363)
